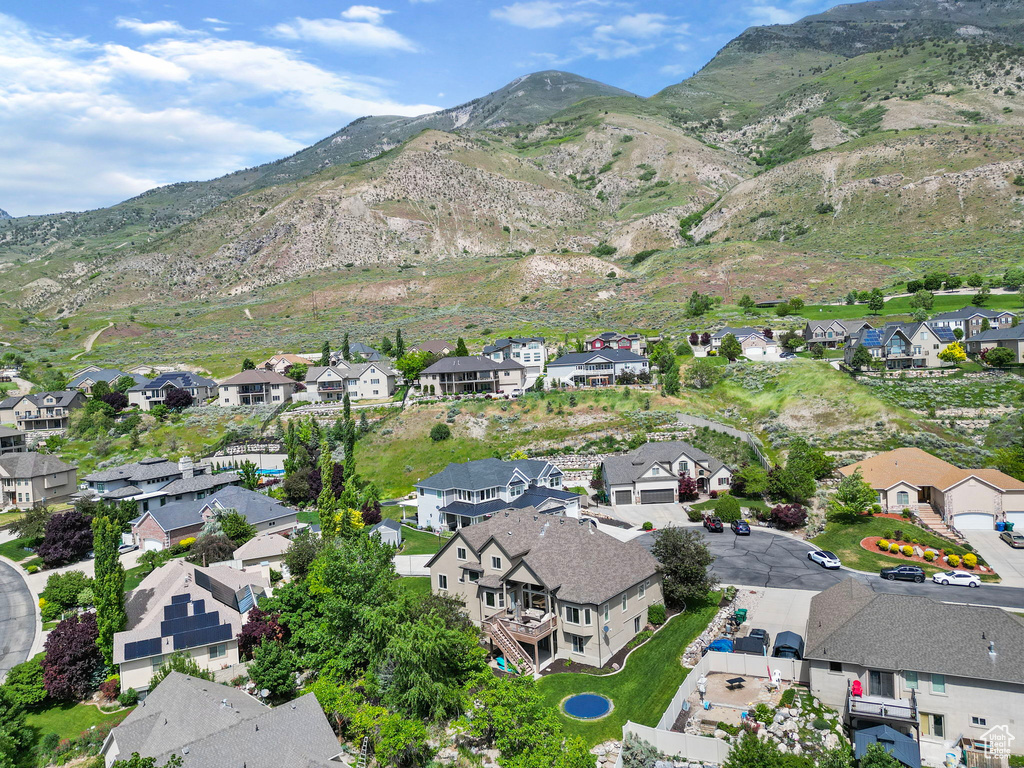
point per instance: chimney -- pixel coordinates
(186, 467)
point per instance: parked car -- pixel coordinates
(787, 355)
(824, 558)
(713, 524)
(126, 548)
(788, 645)
(1014, 538)
(762, 635)
(957, 578)
(903, 573)
(740, 527)
(516, 393)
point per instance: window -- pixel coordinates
(623, 602)
(579, 644)
(489, 600)
(684, 466)
(835, 666)
(572, 615)
(606, 611)
(586, 616)
(910, 681)
(460, 553)
(654, 471)
(496, 563)
(641, 591)
(442, 581)
(636, 624)
(933, 725)
(938, 683)
(473, 576)
(981, 722)
(218, 651)
(157, 662)
(902, 498)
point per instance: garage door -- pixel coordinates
(973, 521)
(152, 545)
(623, 497)
(1017, 518)
(666, 496)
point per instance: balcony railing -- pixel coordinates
(251, 389)
(883, 708)
(526, 627)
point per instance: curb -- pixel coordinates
(37, 628)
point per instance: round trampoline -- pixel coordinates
(587, 706)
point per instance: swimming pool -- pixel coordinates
(587, 706)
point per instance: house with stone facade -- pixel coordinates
(256, 387)
(544, 588)
(650, 474)
(29, 479)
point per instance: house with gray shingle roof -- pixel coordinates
(468, 493)
(629, 342)
(544, 588)
(28, 479)
(150, 392)
(1011, 337)
(970, 320)
(596, 369)
(389, 531)
(256, 387)
(930, 669)
(208, 725)
(156, 481)
(753, 341)
(473, 374)
(361, 381)
(831, 333)
(650, 474)
(902, 345)
(48, 412)
(11, 441)
(84, 382)
(528, 350)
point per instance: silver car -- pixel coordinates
(1014, 538)
(824, 558)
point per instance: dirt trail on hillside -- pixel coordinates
(90, 341)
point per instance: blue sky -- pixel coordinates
(100, 101)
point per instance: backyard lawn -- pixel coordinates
(417, 542)
(844, 539)
(15, 550)
(643, 689)
(69, 720)
(416, 586)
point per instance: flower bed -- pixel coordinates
(870, 543)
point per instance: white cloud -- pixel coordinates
(770, 14)
(132, 63)
(361, 26)
(153, 28)
(541, 14)
(637, 25)
(212, 20)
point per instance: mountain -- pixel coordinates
(4, 214)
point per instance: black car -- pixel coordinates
(740, 527)
(713, 524)
(762, 635)
(903, 573)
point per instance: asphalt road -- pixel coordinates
(17, 619)
(768, 559)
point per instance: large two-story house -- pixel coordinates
(832, 333)
(465, 494)
(256, 387)
(753, 341)
(154, 482)
(1011, 338)
(528, 350)
(154, 391)
(650, 474)
(44, 412)
(183, 607)
(595, 369)
(934, 671)
(902, 345)
(544, 588)
(282, 363)
(11, 441)
(971, 319)
(628, 342)
(87, 378)
(473, 375)
(29, 479)
(362, 381)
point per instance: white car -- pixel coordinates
(957, 578)
(824, 558)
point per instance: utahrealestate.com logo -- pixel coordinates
(998, 739)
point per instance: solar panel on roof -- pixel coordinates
(245, 602)
(175, 611)
(181, 598)
(198, 606)
(189, 623)
(204, 636)
(202, 579)
(141, 648)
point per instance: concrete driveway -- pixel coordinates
(661, 515)
(1007, 561)
(17, 618)
(781, 610)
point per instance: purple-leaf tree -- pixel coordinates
(705, 339)
(116, 400)
(72, 658)
(260, 626)
(768, 333)
(694, 338)
(687, 488)
(788, 516)
(67, 539)
(178, 399)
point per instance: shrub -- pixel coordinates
(440, 432)
(110, 688)
(128, 698)
(713, 494)
(887, 533)
(763, 713)
(49, 742)
(905, 513)
(970, 560)
(656, 614)
(894, 547)
(648, 526)
(907, 550)
(728, 509)
(929, 555)
(788, 516)
(186, 543)
(820, 724)
(693, 515)
(787, 698)
(883, 544)
(953, 560)
(898, 534)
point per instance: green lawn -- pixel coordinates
(7, 518)
(419, 542)
(69, 720)
(417, 586)
(15, 550)
(745, 503)
(643, 690)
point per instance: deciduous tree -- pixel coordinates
(953, 353)
(236, 526)
(67, 538)
(852, 498)
(109, 585)
(72, 658)
(249, 475)
(178, 399)
(684, 562)
(731, 347)
(273, 668)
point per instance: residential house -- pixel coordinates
(359, 351)
(528, 350)
(1012, 338)
(154, 391)
(48, 412)
(362, 381)
(465, 494)
(256, 387)
(753, 341)
(902, 345)
(86, 380)
(266, 550)
(207, 725)
(11, 441)
(627, 342)
(184, 607)
(971, 319)
(161, 527)
(967, 499)
(388, 531)
(544, 588)
(473, 375)
(30, 479)
(831, 333)
(435, 347)
(156, 481)
(282, 363)
(650, 474)
(595, 369)
(930, 669)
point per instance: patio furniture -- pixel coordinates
(734, 682)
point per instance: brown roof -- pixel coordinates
(293, 359)
(434, 346)
(257, 376)
(920, 468)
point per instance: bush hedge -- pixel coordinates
(953, 560)
(883, 544)
(970, 560)
(656, 614)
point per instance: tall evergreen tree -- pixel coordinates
(461, 349)
(109, 584)
(325, 354)
(399, 344)
(326, 504)
(346, 351)
(346, 403)
(350, 452)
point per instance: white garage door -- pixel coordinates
(1017, 518)
(973, 521)
(152, 545)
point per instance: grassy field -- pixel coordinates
(645, 686)
(417, 586)
(419, 542)
(69, 720)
